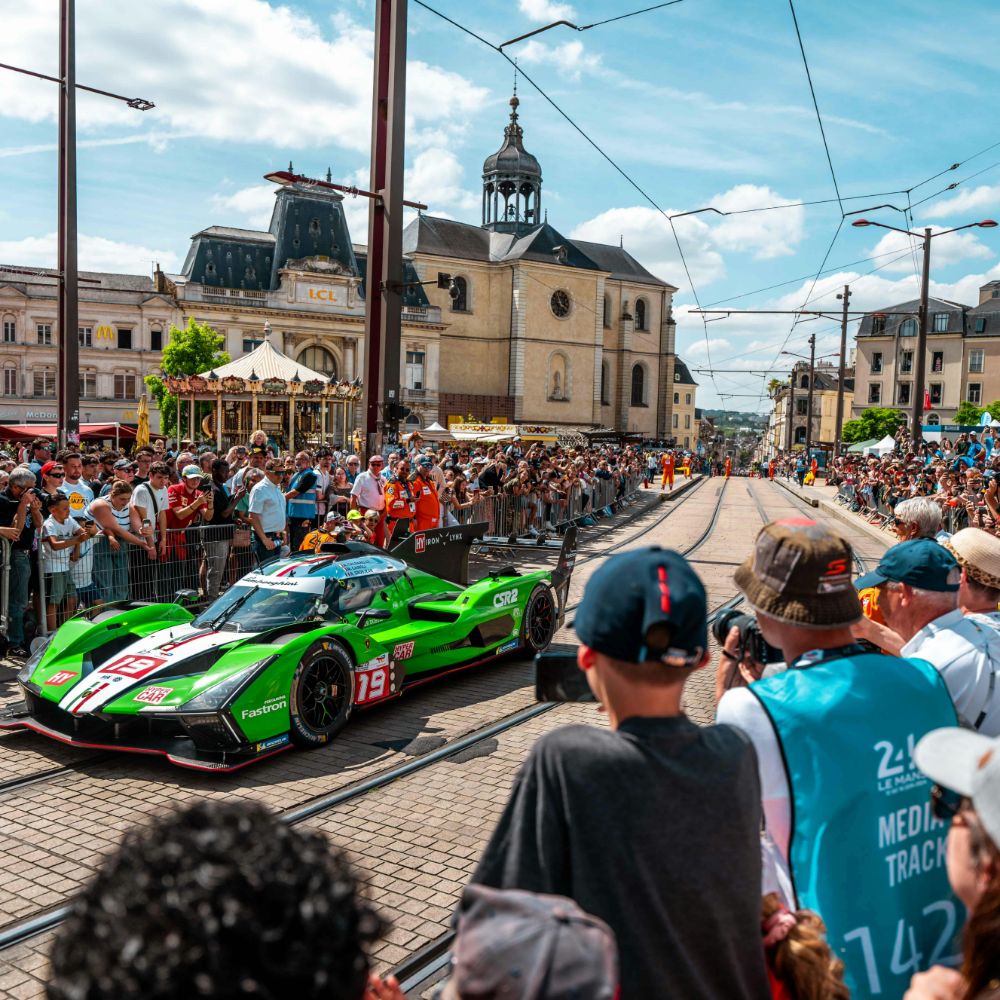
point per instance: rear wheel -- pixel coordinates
(322, 691)
(539, 622)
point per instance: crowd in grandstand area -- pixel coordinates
(835, 834)
(88, 527)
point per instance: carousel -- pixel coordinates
(266, 390)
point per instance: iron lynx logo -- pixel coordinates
(896, 770)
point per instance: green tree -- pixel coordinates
(190, 351)
(968, 413)
(875, 422)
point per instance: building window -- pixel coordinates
(676, 421)
(607, 311)
(414, 369)
(10, 381)
(804, 382)
(88, 385)
(319, 359)
(677, 399)
(250, 344)
(638, 385)
(44, 383)
(908, 328)
(800, 407)
(605, 398)
(687, 441)
(559, 303)
(975, 394)
(936, 393)
(876, 367)
(940, 322)
(9, 331)
(125, 387)
(687, 398)
(687, 421)
(86, 336)
(874, 392)
(44, 331)
(124, 339)
(641, 320)
(878, 326)
(906, 362)
(460, 298)
(981, 324)
(937, 361)
(156, 339)
(903, 391)
(800, 435)
(976, 359)
(995, 294)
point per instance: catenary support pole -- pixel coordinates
(838, 429)
(809, 397)
(921, 371)
(385, 221)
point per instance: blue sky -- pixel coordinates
(702, 103)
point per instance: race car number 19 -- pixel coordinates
(371, 684)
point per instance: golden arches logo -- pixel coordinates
(104, 333)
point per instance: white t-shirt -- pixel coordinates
(57, 560)
(267, 500)
(369, 490)
(965, 651)
(152, 501)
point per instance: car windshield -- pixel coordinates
(252, 608)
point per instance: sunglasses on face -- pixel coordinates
(56, 475)
(947, 804)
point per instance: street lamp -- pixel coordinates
(921, 372)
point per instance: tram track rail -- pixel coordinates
(17, 932)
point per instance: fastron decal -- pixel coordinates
(271, 705)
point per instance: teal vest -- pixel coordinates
(865, 851)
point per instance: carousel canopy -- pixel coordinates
(267, 362)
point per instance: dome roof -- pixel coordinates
(512, 157)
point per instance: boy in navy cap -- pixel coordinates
(652, 824)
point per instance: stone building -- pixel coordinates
(536, 328)
(789, 418)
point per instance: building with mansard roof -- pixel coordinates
(537, 328)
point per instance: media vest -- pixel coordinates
(865, 851)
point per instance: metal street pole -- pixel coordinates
(385, 221)
(809, 403)
(921, 372)
(839, 425)
(68, 363)
(791, 408)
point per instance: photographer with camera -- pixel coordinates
(831, 734)
(652, 824)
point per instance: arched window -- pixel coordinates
(908, 328)
(607, 310)
(460, 300)
(638, 385)
(605, 398)
(933, 418)
(804, 382)
(640, 314)
(319, 359)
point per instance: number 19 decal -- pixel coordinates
(371, 684)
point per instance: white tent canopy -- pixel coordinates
(266, 361)
(884, 447)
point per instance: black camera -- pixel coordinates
(558, 677)
(752, 643)
(205, 483)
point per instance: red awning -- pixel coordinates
(26, 432)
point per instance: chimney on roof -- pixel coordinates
(159, 281)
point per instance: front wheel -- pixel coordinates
(539, 623)
(319, 704)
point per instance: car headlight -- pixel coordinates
(218, 695)
(32, 661)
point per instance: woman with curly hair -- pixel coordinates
(966, 768)
(800, 965)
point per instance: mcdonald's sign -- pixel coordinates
(104, 332)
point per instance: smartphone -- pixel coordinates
(558, 677)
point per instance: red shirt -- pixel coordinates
(178, 496)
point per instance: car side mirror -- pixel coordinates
(185, 597)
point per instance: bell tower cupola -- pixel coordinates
(512, 183)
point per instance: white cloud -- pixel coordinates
(436, 180)
(985, 196)
(546, 10)
(713, 344)
(945, 250)
(95, 252)
(646, 235)
(569, 58)
(765, 234)
(252, 205)
(263, 73)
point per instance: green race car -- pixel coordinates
(287, 654)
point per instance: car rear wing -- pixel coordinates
(564, 570)
(442, 552)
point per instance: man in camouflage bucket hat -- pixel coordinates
(822, 730)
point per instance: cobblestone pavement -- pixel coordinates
(416, 839)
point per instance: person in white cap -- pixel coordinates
(965, 767)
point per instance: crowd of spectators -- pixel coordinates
(89, 527)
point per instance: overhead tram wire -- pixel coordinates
(614, 164)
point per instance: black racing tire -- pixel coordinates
(539, 622)
(322, 694)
